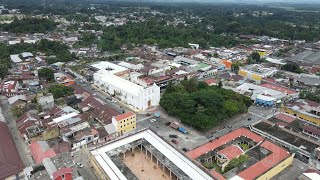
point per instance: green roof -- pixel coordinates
(202, 65)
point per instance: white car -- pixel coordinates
(79, 165)
(153, 120)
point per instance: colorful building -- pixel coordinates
(256, 72)
(304, 110)
(125, 122)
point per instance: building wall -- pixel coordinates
(145, 98)
(277, 169)
(98, 171)
(86, 140)
(125, 125)
(302, 116)
(46, 135)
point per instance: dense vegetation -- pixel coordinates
(29, 25)
(313, 96)
(292, 67)
(157, 33)
(51, 48)
(46, 74)
(254, 58)
(86, 40)
(200, 106)
(59, 90)
(236, 162)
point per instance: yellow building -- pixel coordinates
(303, 115)
(124, 122)
(277, 169)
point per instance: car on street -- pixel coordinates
(148, 114)
(79, 165)
(153, 120)
(249, 119)
(185, 149)
(174, 141)
(173, 136)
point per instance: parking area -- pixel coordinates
(190, 140)
(195, 138)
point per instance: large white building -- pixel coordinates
(115, 80)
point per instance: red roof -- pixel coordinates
(61, 172)
(223, 140)
(124, 116)
(231, 152)
(10, 162)
(278, 154)
(278, 88)
(285, 117)
(41, 150)
(211, 81)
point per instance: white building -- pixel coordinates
(108, 80)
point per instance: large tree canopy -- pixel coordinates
(59, 90)
(201, 106)
(29, 25)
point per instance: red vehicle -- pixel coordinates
(175, 141)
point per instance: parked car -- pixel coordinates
(174, 141)
(173, 136)
(79, 165)
(185, 149)
(249, 119)
(153, 120)
(148, 114)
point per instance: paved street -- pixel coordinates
(21, 145)
(86, 171)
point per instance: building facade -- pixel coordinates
(137, 96)
(125, 122)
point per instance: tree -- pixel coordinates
(59, 90)
(46, 73)
(204, 106)
(220, 84)
(292, 67)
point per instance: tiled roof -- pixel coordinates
(40, 152)
(61, 172)
(231, 152)
(124, 116)
(279, 88)
(312, 129)
(278, 154)
(10, 162)
(223, 140)
(285, 117)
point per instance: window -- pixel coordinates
(133, 127)
(131, 122)
(120, 126)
